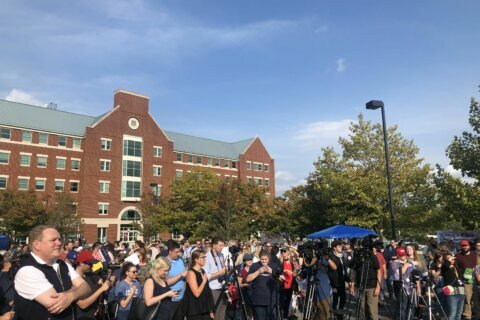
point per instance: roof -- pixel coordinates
(43, 119)
(202, 146)
(22, 115)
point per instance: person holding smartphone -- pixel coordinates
(157, 290)
(263, 294)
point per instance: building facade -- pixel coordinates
(107, 162)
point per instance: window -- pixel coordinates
(259, 181)
(3, 182)
(102, 234)
(199, 160)
(104, 186)
(267, 167)
(190, 158)
(62, 141)
(132, 148)
(226, 163)
(5, 133)
(103, 208)
(40, 184)
(178, 174)
(131, 189)
(59, 185)
(106, 144)
(217, 162)
(249, 165)
(249, 179)
(41, 161)
(257, 166)
(75, 164)
(61, 163)
(209, 161)
(132, 168)
(234, 164)
(157, 171)
(267, 183)
(27, 136)
(4, 157)
(157, 190)
(23, 183)
(76, 143)
(74, 186)
(25, 159)
(105, 165)
(43, 138)
(179, 156)
(227, 178)
(157, 152)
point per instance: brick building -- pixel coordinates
(106, 162)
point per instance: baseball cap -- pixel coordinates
(247, 256)
(464, 243)
(85, 256)
(401, 252)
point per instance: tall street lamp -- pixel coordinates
(374, 105)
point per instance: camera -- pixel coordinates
(311, 249)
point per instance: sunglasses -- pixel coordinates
(134, 271)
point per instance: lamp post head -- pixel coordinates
(374, 104)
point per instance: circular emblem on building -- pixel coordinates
(133, 123)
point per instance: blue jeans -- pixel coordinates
(455, 306)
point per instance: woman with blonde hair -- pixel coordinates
(156, 288)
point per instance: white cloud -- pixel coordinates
(321, 29)
(458, 174)
(18, 95)
(341, 65)
(321, 133)
(284, 176)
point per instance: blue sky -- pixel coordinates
(294, 73)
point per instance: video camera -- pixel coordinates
(311, 249)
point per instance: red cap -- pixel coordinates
(85, 256)
(464, 243)
(401, 251)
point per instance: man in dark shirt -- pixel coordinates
(367, 278)
(467, 261)
(338, 276)
(390, 254)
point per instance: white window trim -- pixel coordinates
(44, 184)
(26, 178)
(109, 166)
(58, 141)
(257, 163)
(156, 167)
(249, 162)
(268, 165)
(59, 180)
(106, 139)
(105, 182)
(29, 160)
(103, 204)
(73, 144)
(79, 164)
(6, 180)
(42, 143)
(65, 163)
(161, 152)
(70, 184)
(5, 139)
(129, 137)
(9, 152)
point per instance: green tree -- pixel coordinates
(20, 211)
(62, 213)
(464, 151)
(350, 187)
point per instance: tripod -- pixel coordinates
(233, 273)
(415, 300)
(309, 310)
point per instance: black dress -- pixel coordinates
(166, 304)
(198, 308)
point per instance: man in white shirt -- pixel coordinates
(215, 268)
(46, 286)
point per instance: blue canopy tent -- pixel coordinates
(341, 232)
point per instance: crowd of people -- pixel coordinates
(218, 279)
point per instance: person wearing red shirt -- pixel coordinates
(286, 289)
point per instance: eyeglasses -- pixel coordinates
(134, 271)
